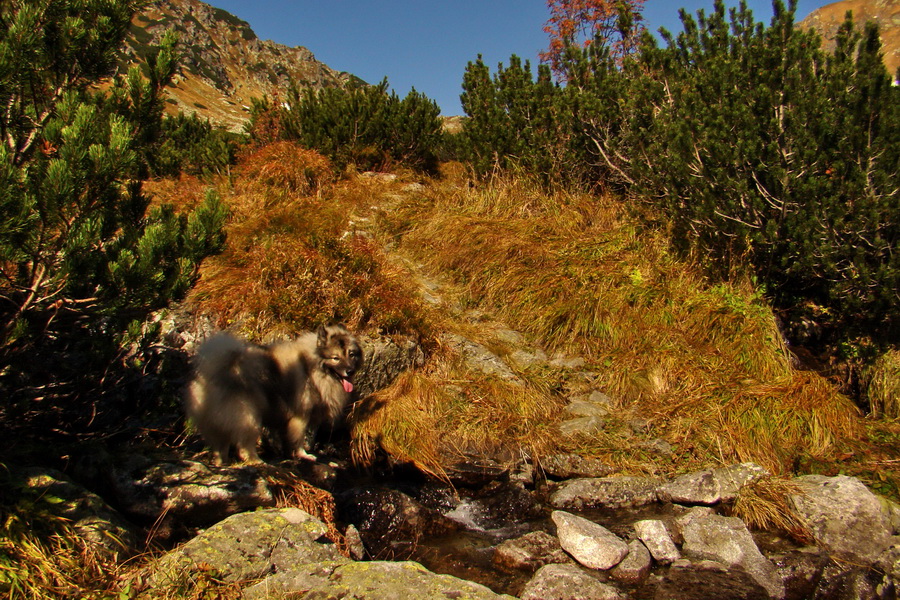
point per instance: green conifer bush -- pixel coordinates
(365, 126)
(76, 238)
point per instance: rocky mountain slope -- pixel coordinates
(224, 63)
(886, 13)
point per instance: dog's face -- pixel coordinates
(341, 353)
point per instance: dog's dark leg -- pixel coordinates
(295, 437)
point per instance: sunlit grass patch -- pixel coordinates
(705, 364)
(435, 417)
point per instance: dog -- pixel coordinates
(289, 388)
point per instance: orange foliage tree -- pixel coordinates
(582, 22)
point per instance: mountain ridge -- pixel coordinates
(827, 19)
(224, 64)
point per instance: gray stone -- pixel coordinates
(98, 524)
(712, 486)
(567, 466)
(605, 492)
(188, 491)
(707, 580)
(382, 580)
(844, 516)
(567, 362)
(657, 540)
(635, 567)
(479, 358)
(590, 544)
(726, 540)
(566, 582)
(248, 546)
(385, 360)
(582, 426)
(529, 552)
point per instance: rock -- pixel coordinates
(389, 521)
(479, 358)
(726, 540)
(568, 466)
(605, 492)
(712, 486)
(567, 362)
(355, 545)
(707, 580)
(98, 524)
(844, 517)
(582, 426)
(376, 580)
(635, 567)
(186, 491)
(528, 360)
(566, 582)
(801, 571)
(249, 545)
(385, 360)
(587, 542)
(657, 540)
(529, 552)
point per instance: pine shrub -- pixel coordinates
(78, 246)
(767, 154)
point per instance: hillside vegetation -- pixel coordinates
(671, 223)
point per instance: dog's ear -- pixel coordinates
(322, 334)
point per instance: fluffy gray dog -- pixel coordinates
(288, 387)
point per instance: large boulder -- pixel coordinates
(727, 541)
(844, 516)
(655, 536)
(248, 546)
(187, 492)
(98, 524)
(376, 580)
(566, 582)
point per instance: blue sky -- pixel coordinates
(425, 44)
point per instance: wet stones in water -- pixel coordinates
(635, 567)
(390, 522)
(605, 492)
(529, 552)
(707, 579)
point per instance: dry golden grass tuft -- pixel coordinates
(883, 385)
(292, 491)
(42, 557)
(435, 417)
(764, 505)
(287, 167)
(295, 259)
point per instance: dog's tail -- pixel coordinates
(218, 355)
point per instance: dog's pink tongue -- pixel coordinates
(348, 387)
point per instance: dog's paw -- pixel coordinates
(303, 454)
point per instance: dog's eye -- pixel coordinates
(335, 358)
